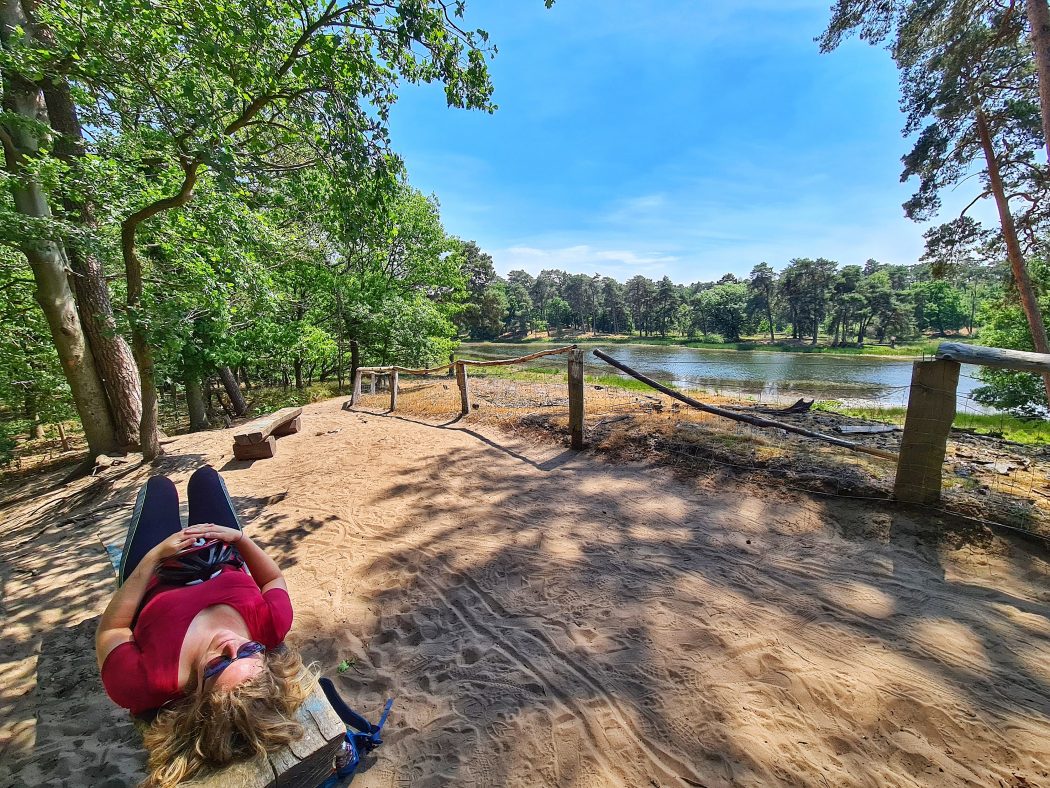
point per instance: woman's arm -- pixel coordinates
(114, 627)
(264, 569)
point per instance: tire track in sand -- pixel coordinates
(667, 763)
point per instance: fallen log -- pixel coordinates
(866, 429)
(756, 421)
(801, 406)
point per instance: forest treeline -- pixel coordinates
(807, 300)
(202, 193)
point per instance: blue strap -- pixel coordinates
(358, 744)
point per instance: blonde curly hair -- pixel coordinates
(209, 730)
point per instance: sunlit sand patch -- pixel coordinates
(1032, 623)
(952, 643)
(1033, 659)
(650, 533)
(863, 599)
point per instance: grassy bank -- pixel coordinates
(535, 373)
(902, 350)
(998, 425)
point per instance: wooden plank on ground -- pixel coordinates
(305, 763)
(260, 429)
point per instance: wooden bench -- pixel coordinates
(258, 439)
(305, 763)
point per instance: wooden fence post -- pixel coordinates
(372, 383)
(355, 397)
(464, 388)
(393, 390)
(576, 399)
(931, 410)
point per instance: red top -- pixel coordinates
(143, 674)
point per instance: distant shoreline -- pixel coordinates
(903, 352)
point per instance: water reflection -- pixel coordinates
(765, 375)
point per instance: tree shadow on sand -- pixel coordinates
(589, 624)
(603, 636)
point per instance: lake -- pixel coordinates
(764, 375)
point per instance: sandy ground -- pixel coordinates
(546, 618)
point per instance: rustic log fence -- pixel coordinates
(928, 421)
(931, 411)
(459, 369)
(755, 421)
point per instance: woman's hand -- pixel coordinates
(174, 544)
(211, 531)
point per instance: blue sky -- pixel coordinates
(679, 137)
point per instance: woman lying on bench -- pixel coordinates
(194, 639)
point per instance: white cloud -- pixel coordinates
(583, 258)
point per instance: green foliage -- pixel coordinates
(33, 389)
(1019, 393)
(723, 310)
(1010, 427)
(938, 306)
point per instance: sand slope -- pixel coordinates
(545, 618)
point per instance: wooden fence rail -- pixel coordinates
(756, 421)
(931, 411)
(576, 422)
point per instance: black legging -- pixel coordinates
(156, 515)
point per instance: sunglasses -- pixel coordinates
(217, 665)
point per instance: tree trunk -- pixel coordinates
(227, 409)
(341, 327)
(1039, 23)
(47, 259)
(355, 357)
(195, 403)
(297, 365)
(149, 440)
(32, 415)
(229, 382)
(113, 357)
(1013, 248)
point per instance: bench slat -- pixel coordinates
(303, 764)
(260, 429)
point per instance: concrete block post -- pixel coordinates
(931, 411)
